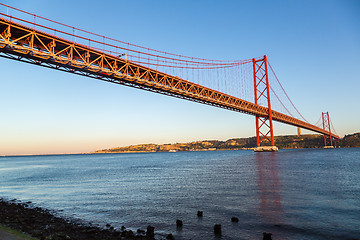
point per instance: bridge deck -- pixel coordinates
(26, 44)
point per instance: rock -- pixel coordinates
(37, 233)
(179, 223)
(170, 237)
(267, 236)
(42, 224)
(150, 231)
(200, 213)
(127, 234)
(139, 231)
(234, 219)
(217, 229)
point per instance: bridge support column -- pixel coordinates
(328, 141)
(264, 124)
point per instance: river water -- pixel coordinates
(294, 194)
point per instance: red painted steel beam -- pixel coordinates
(261, 85)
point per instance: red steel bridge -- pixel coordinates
(244, 86)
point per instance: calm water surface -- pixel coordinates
(295, 194)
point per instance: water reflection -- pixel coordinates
(269, 184)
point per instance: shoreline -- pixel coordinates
(304, 141)
(129, 152)
(25, 221)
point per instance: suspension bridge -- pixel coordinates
(248, 86)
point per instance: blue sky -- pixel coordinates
(314, 47)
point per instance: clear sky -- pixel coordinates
(314, 47)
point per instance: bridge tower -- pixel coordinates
(328, 142)
(264, 124)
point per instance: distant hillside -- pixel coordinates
(282, 142)
(351, 140)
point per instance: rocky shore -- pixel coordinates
(42, 224)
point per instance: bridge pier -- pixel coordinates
(266, 149)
